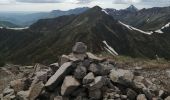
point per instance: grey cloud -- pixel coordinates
(40, 1)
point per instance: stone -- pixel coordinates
(39, 67)
(69, 85)
(167, 98)
(53, 82)
(8, 91)
(79, 48)
(141, 97)
(64, 59)
(99, 81)
(123, 97)
(80, 72)
(89, 78)
(60, 98)
(35, 90)
(54, 67)
(93, 57)
(123, 77)
(131, 94)
(22, 95)
(95, 68)
(148, 94)
(106, 68)
(86, 63)
(95, 94)
(17, 85)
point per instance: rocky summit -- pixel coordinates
(82, 76)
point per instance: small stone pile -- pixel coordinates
(83, 76)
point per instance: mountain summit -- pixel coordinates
(132, 8)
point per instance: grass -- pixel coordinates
(145, 63)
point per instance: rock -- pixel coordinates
(99, 81)
(54, 67)
(95, 94)
(79, 48)
(22, 95)
(61, 98)
(88, 78)
(86, 63)
(123, 97)
(168, 98)
(39, 67)
(131, 94)
(148, 94)
(80, 72)
(106, 68)
(69, 85)
(64, 59)
(95, 68)
(35, 90)
(8, 91)
(17, 85)
(141, 97)
(123, 77)
(93, 57)
(53, 82)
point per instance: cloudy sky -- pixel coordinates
(48, 5)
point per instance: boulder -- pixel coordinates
(69, 85)
(123, 77)
(95, 94)
(106, 68)
(141, 97)
(60, 98)
(35, 90)
(79, 48)
(99, 81)
(89, 78)
(80, 72)
(53, 82)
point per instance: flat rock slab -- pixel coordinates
(57, 78)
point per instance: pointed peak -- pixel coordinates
(132, 8)
(97, 8)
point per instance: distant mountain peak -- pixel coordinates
(132, 8)
(97, 8)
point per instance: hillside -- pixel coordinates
(47, 39)
(7, 24)
(145, 19)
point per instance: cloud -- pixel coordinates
(56, 1)
(126, 1)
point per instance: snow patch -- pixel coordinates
(105, 11)
(165, 26)
(110, 49)
(159, 31)
(133, 28)
(17, 28)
